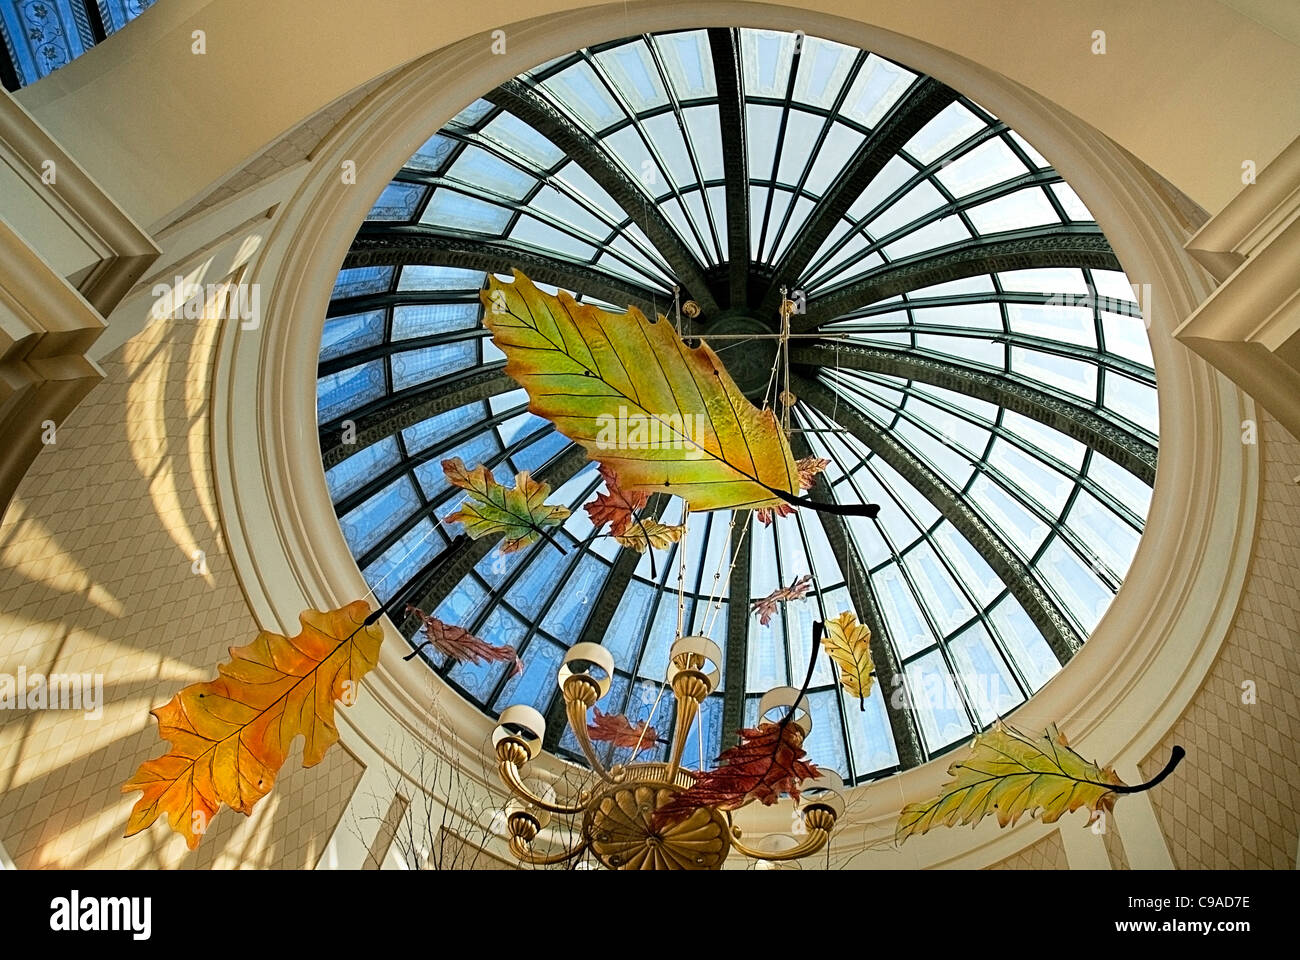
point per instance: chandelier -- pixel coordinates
(622, 823)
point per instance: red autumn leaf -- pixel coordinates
(615, 507)
(459, 644)
(766, 607)
(766, 763)
(767, 514)
(809, 467)
(615, 728)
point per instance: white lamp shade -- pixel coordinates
(522, 723)
(784, 697)
(590, 660)
(696, 653)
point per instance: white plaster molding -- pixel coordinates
(1250, 326)
(103, 249)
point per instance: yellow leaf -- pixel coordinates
(1009, 773)
(231, 736)
(521, 515)
(848, 643)
(665, 417)
(659, 535)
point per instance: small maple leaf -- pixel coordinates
(521, 515)
(616, 508)
(459, 644)
(766, 607)
(808, 468)
(766, 763)
(615, 728)
(767, 514)
(652, 533)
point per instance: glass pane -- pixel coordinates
(984, 675)
(459, 212)
(398, 202)
(938, 706)
(907, 627)
(478, 168)
(581, 91)
(952, 125)
(344, 335)
(353, 473)
(348, 389)
(1032, 656)
(633, 72)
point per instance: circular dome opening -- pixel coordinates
(968, 354)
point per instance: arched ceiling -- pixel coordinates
(976, 363)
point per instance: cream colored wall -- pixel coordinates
(1232, 805)
(97, 576)
(1175, 73)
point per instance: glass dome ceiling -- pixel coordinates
(972, 358)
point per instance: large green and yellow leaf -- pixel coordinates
(1009, 773)
(849, 645)
(665, 417)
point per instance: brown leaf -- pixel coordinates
(767, 514)
(615, 728)
(459, 644)
(616, 508)
(766, 607)
(766, 763)
(808, 468)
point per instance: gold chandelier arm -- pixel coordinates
(510, 755)
(521, 849)
(575, 710)
(815, 840)
(819, 819)
(687, 708)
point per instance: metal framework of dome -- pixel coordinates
(989, 382)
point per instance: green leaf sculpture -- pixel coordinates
(665, 417)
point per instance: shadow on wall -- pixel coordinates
(113, 568)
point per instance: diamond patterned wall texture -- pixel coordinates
(97, 571)
(1231, 804)
(1046, 854)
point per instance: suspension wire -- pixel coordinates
(681, 569)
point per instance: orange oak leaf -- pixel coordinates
(766, 763)
(808, 469)
(230, 736)
(615, 728)
(459, 644)
(766, 607)
(616, 508)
